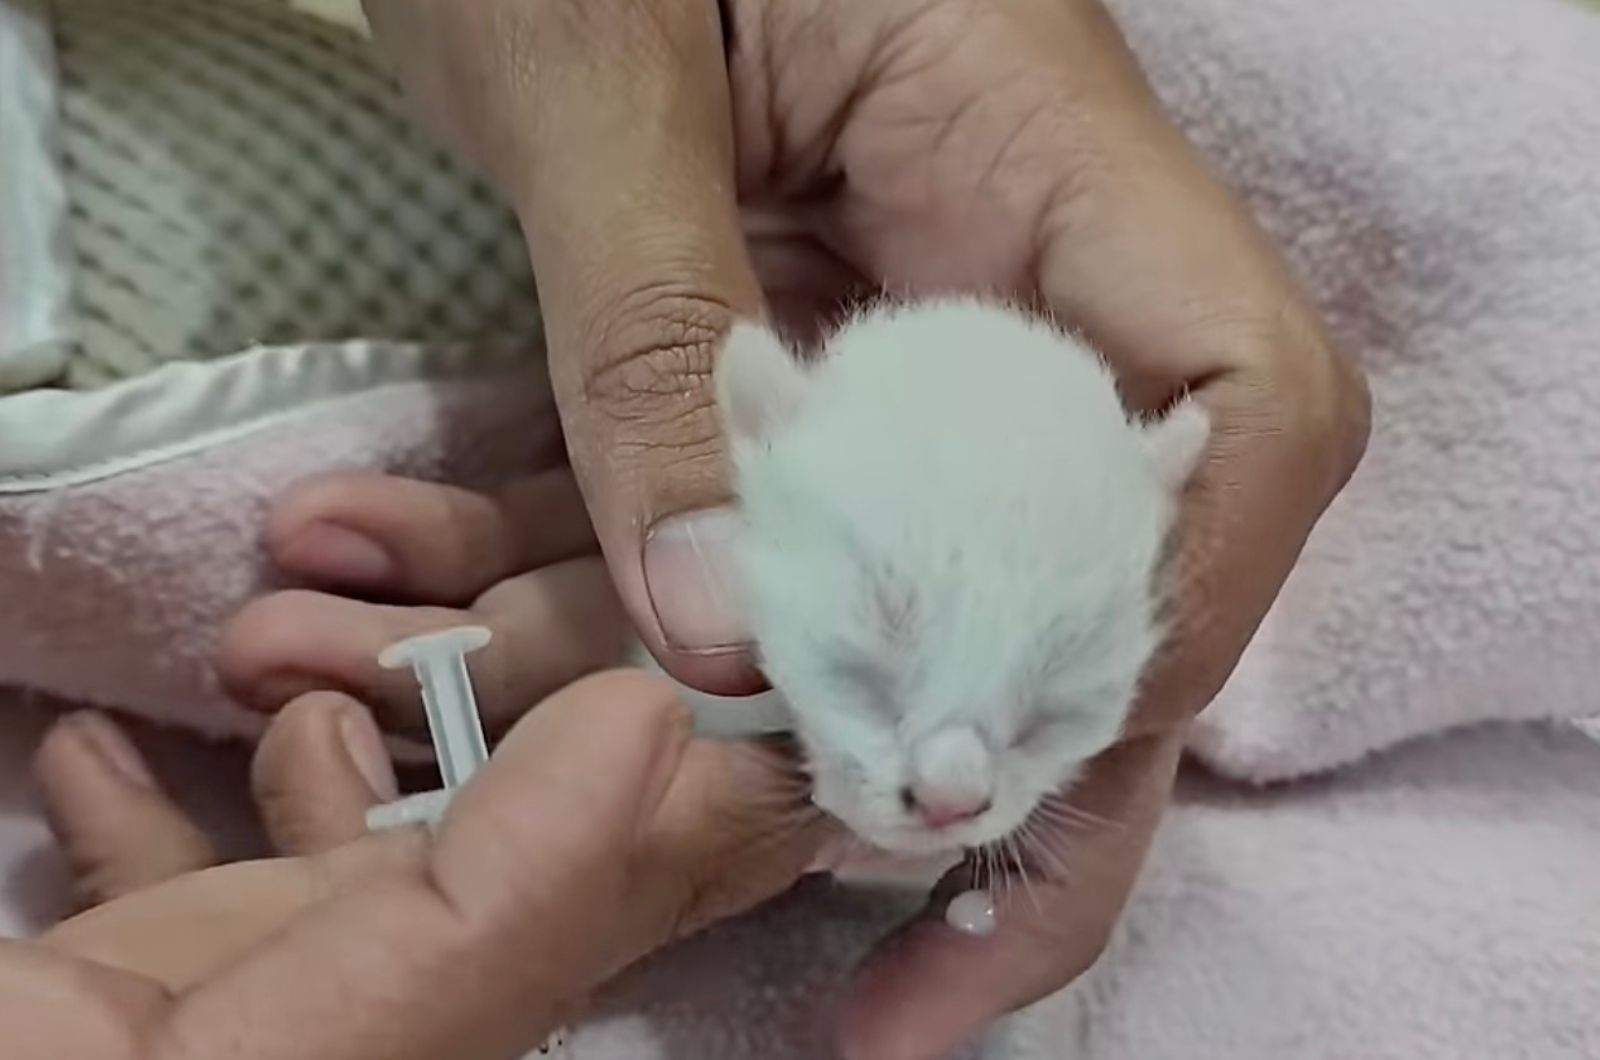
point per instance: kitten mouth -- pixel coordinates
(914, 842)
(941, 841)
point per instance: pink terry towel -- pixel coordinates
(117, 590)
(1434, 170)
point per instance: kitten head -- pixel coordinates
(951, 534)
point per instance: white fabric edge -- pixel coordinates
(346, 13)
(50, 439)
(35, 267)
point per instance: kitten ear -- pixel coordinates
(1177, 441)
(760, 384)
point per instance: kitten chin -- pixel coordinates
(881, 870)
(730, 718)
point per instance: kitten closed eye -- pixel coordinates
(867, 675)
(1034, 733)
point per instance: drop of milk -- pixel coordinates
(971, 913)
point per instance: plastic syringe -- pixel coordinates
(440, 662)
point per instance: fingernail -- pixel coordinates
(365, 749)
(336, 553)
(688, 572)
(114, 749)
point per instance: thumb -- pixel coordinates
(627, 198)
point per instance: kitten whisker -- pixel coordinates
(1022, 870)
(1058, 806)
(1052, 811)
(1039, 846)
(1059, 829)
(780, 817)
(1004, 869)
(991, 879)
(773, 801)
(1056, 833)
(1071, 826)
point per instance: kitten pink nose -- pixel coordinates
(951, 777)
(942, 810)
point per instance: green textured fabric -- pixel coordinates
(239, 173)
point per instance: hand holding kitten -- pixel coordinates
(1010, 147)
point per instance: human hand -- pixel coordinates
(597, 833)
(914, 147)
(866, 141)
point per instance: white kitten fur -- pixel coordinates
(951, 541)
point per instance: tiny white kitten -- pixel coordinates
(949, 558)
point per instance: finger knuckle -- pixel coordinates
(469, 546)
(1329, 404)
(1311, 397)
(655, 353)
(1350, 418)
